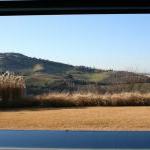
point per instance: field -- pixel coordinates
(71, 110)
(87, 118)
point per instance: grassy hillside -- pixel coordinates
(20, 63)
(45, 76)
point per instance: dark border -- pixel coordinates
(58, 7)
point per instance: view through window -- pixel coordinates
(75, 72)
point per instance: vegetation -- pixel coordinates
(11, 88)
(80, 100)
(89, 118)
(90, 99)
(29, 96)
(52, 84)
(44, 76)
(44, 85)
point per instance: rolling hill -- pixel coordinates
(45, 76)
(20, 63)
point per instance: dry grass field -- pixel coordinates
(87, 118)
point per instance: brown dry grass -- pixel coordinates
(88, 118)
(11, 87)
(92, 99)
(80, 100)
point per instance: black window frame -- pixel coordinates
(61, 7)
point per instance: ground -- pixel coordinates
(88, 118)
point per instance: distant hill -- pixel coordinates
(20, 63)
(45, 75)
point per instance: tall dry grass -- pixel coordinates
(12, 94)
(12, 87)
(90, 99)
(82, 100)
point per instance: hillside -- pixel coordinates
(20, 63)
(45, 76)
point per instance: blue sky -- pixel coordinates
(120, 42)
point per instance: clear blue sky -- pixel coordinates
(119, 42)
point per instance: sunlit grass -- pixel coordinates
(12, 87)
(88, 118)
(92, 99)
(82, 100)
